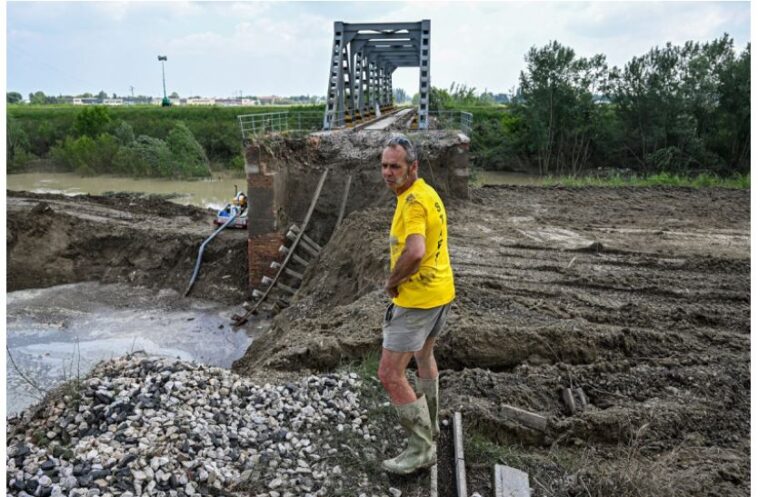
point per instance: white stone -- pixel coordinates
(277, 482)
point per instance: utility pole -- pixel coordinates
(162, 59)
(131, 87)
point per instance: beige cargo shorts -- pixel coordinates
(406, 329)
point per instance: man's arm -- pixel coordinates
(407, 264)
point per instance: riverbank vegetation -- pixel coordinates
(681, 110)
(131, 140)
(701, 180)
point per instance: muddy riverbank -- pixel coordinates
(121, 238)
(639, 296)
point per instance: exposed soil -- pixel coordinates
(640, 296)
(144, 240)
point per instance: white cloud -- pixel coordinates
(113, 11)
(285, 47)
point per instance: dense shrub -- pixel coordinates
(124, 133)
(188, 155)
(216, 129)
(146, 156)
(17, 147)
(85, 155)
(91, 121)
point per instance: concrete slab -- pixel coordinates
(511, 482)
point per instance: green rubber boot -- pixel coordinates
(430, 390)
(420, 452)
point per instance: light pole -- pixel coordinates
(162, 59)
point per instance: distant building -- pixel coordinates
(112, 101)
(85, 101)
(201, 101)
(235, 102)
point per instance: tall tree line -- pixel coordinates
(676, 108)
(679, 109)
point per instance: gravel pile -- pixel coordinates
(148, 426)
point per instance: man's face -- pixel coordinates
(395, 168)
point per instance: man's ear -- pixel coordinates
(414, 169)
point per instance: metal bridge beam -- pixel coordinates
(363, 58)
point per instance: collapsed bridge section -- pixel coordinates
(284, 170)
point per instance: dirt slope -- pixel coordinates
(640, 296)
(148, 241)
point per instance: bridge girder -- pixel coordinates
(363, 58)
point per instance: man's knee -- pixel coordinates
(389, 374)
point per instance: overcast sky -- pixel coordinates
(257, 48)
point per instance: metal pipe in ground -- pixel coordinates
(458, 448)
(433, 481)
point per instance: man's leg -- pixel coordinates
(392, 375)
(425, 360)
(427, 381)
(413, 413)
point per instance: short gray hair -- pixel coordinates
(400, 139)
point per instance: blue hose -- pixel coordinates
(202, 248)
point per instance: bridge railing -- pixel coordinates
(309, 121)
(269, 122)
(451, 119)
(256, 124)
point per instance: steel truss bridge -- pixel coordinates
(363, 58)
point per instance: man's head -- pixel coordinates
(399, 163)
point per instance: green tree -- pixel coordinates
(146, 156)
(37, 98)
(685, 108)
(189, 158)
(124, 133)
(439, 99)
(13, 97)
(400, 96)
(91, 121)
(17, 146)
(85, 155)
(556, 93)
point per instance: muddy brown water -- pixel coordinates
(213, 193)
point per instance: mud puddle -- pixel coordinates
(58, 333)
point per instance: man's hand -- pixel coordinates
(407, 265)
(392, 290)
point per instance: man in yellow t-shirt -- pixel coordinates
(421, 286)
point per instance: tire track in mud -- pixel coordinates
(565, 288)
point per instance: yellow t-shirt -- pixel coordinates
(420, 211)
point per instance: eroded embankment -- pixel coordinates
(640, 296)
(57, 239)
